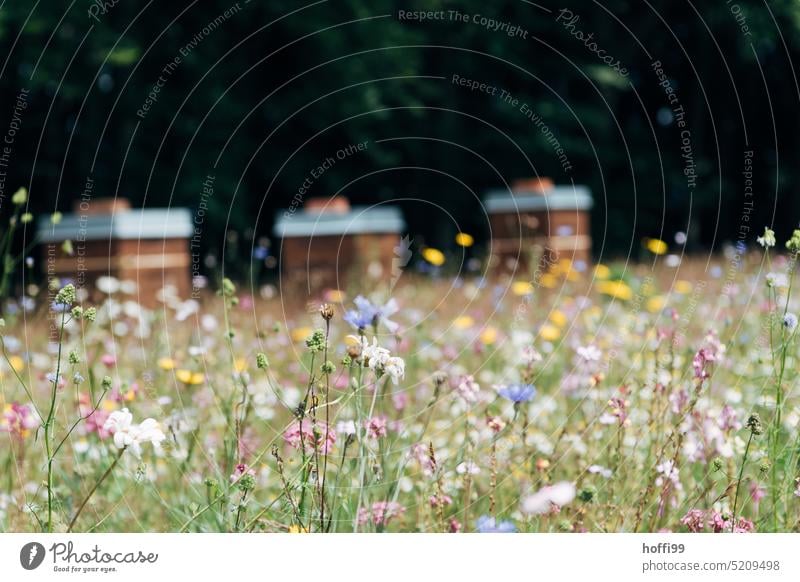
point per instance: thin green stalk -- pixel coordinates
(96, 485)
(739, 480)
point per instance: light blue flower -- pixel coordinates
(517, 393)
(488, 524)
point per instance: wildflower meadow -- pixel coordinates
(651, 397)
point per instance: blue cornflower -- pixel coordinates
(368, 313)
(517, 393)
(488, 524)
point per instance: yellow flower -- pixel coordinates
(464, 240)
(655, 246)
(615, 289)
(489, 336)
(682, 287)
(109, 405)
(548, 280)
(166, 363)
(549, 332)
(563, 266)
(129, 395)
(521, 288)
(297, 529)
(300, 334)
(463, 322)
(655, 304)
(434, 256)
(334, 296)
(602, 272)
(190, 378)
(17, 363)
(558, 318)
(240, 365)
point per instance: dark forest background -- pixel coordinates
(279, 86)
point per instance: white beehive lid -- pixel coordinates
(557, 198)
(141, 223)
(359, 220)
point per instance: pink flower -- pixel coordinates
(376, 427)
(108, 360)
(94, 420)
(694, 520)
(311, 436)
(743, 525)
(381, 513)
(468, 389)
(400, 400)
(18, 420)
(757, 493)
(619, 409)
(241, 470)
(419, 452)
(700, 363)
(716, 522)
(440, 500)
(797, 491)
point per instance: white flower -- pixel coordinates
(346, 427)
(376, 356)
(589, 353)
(396, 368)
(129, 435)
(468, 468)
(597, 469)
(768, 240)
(559, 494)
(777, 280)
(107, 285)
(381, 361)
(790, 321)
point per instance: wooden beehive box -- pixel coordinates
(556, 218)
(148, 246)
(322, 245)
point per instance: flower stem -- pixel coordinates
(96, 485)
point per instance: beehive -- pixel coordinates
(148, 246)
(555, 218)
(322, 245)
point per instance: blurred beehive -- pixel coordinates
(326, 241)
(149, 246)
(537, 213)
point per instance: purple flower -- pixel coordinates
(367, 313)
(517, 393)
(488, 524)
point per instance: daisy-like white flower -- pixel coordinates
(559, 494)
(375, 356)
(768, 239)
(468, 468)
(589, 353)
(129, 435)
(777, 280)
(396, 368)
(381, 361)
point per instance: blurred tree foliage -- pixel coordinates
(265, 94)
